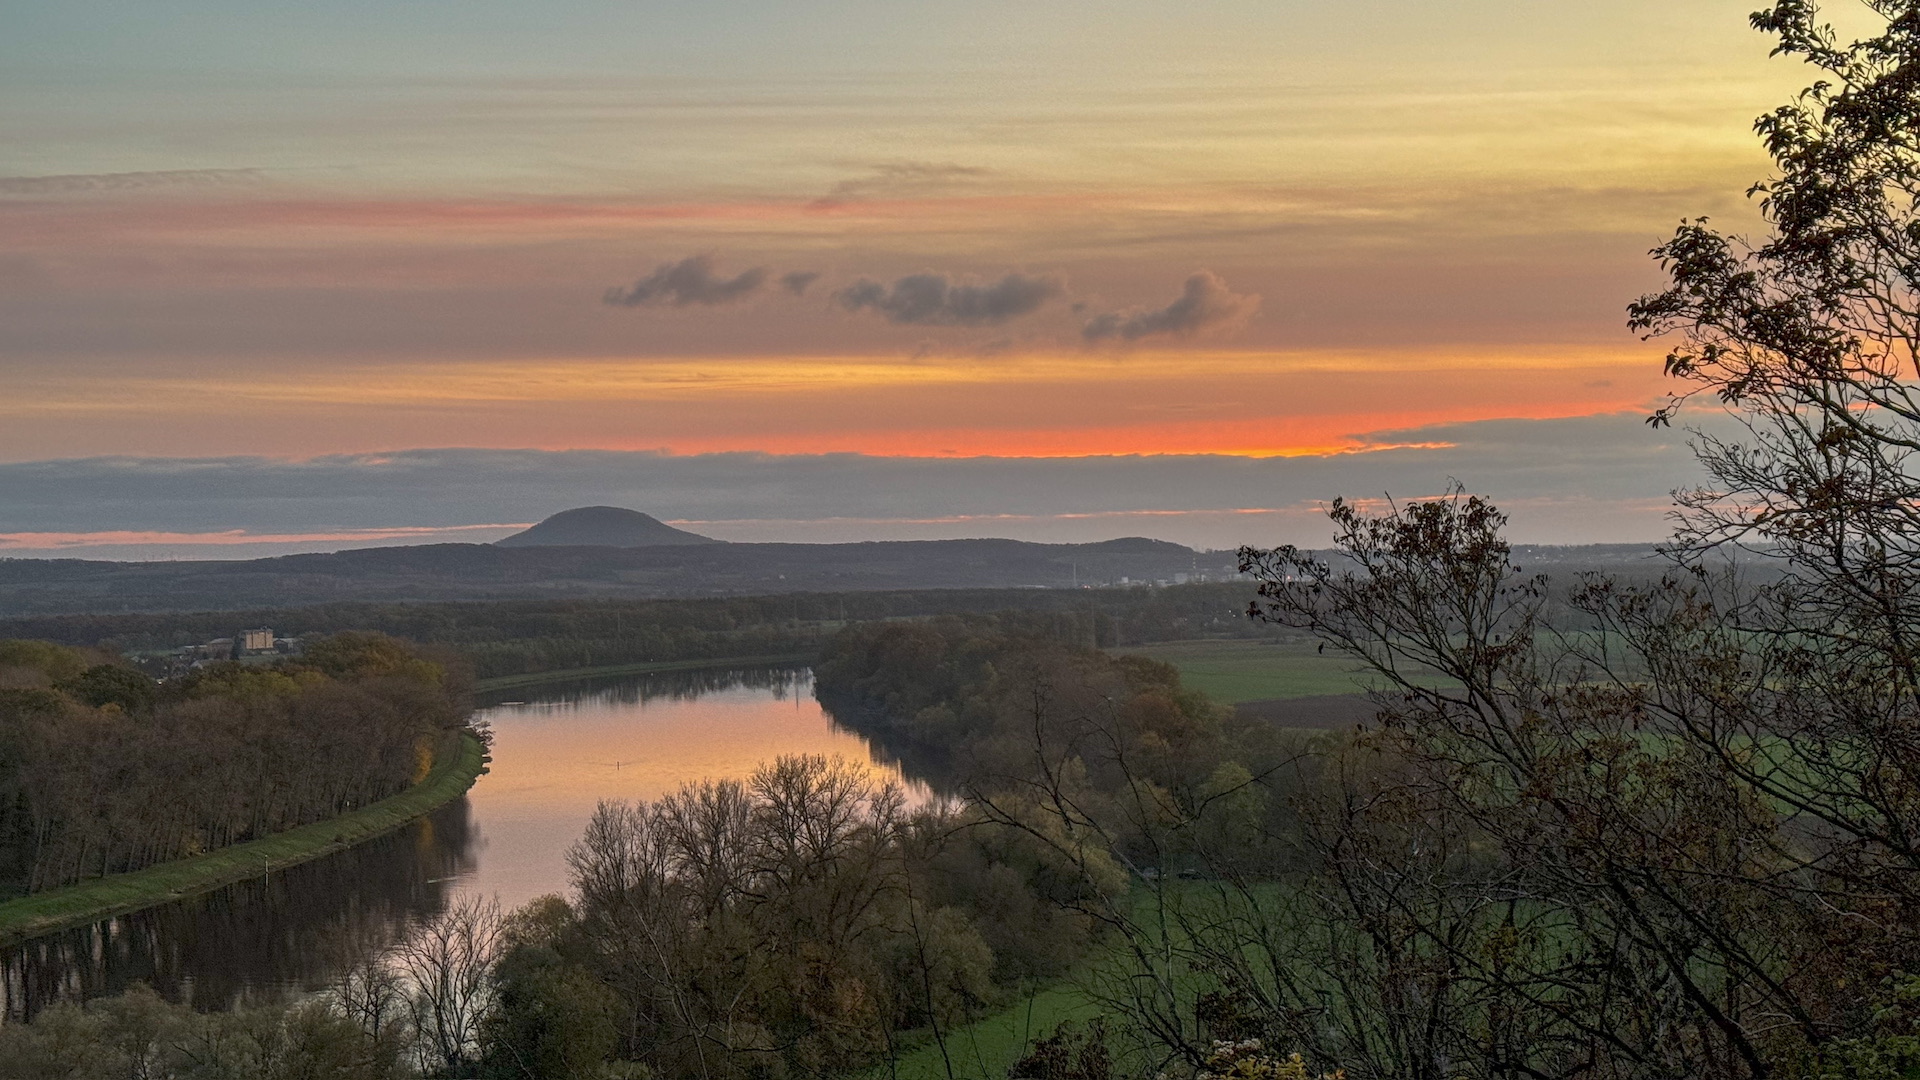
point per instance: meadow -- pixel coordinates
(984, 1049)
(1232, 671)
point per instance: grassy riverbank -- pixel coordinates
(101, 898)
(540, 678)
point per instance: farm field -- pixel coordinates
(1234, 671)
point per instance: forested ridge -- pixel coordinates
(103, 770)
(442, 572)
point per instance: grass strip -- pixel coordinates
(118, 894)
(537, 678)
(985, 1048)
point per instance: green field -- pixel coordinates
(983, 1049)
(1233, 671)
(102, 898)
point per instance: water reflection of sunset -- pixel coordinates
(554, 760)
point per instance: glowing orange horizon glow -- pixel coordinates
(1246, 404)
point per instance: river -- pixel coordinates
(558, 749)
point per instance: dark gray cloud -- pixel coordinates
(797, 281)
(937, 300)
(1580, 479)
(87, 183)
(689, 281)
(1204, 304)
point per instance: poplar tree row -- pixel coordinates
(103, 771)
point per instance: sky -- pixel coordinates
(281, 276)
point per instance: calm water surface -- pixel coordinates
(557, 751)
(558, 755)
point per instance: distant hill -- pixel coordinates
(443, 572)
(603, 526)
(435, 572)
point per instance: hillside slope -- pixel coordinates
(603, 526)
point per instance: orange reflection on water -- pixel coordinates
(554, 761)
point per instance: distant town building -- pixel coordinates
(251, 647)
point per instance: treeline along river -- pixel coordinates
(557, 751)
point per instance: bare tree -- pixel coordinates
(371, 995)
(447, 964)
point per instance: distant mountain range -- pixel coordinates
(493, 572)
(605, 551)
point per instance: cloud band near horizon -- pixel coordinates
(1583, 479)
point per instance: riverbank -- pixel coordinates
(103, 898)
(541, 678)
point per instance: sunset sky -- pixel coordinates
(282, 276)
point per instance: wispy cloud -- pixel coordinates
(1205, 304)
(87, 183)
(937, 300)
(897, 178)
(61, 541)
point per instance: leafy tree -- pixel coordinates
(553, 1020)
(112, 684)
(1811, 341)
(40, 660)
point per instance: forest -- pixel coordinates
(522, 636)
(514, 637)
(103, 770)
